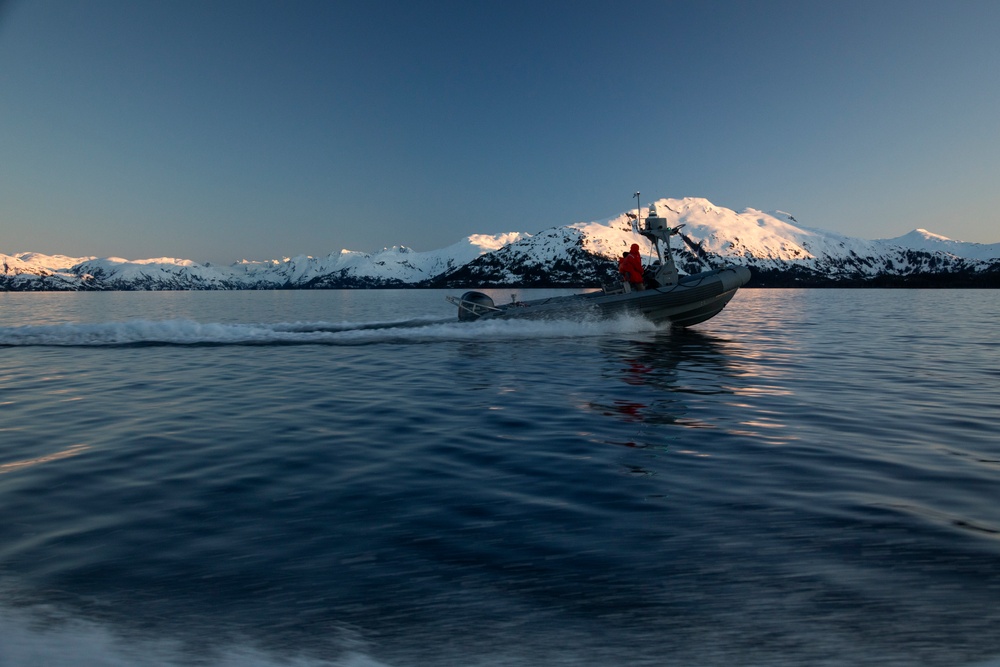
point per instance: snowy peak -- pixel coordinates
(754, 235)
(921, 239)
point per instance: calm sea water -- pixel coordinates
(351, 478)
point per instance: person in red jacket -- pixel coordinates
(630, 266)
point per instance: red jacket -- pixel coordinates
(630, 266)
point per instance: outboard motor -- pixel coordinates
(472, 305)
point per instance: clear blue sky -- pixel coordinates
(215, 130)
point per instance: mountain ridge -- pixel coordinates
(774, 245)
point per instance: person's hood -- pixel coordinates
(634, 248)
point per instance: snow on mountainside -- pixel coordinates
(31, 271)
(397, 266)
(777, 248)
(552, 258)
(921, 239)
(774, 245)
(780, 250)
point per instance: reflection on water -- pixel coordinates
(683, 378)
(56, 456)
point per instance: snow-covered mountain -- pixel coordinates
(777, 248)
(391, 267)
(921, 239)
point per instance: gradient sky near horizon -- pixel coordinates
(217, 130)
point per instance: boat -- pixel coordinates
(668, 298)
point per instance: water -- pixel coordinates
(353, 479)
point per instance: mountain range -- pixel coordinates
(779, 251)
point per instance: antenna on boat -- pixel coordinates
(637, 223)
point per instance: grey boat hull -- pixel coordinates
(692, 300)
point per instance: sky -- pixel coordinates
(218, 130)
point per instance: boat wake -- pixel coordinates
(137, 333)
(52, 639)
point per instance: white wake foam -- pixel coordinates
(29, 642)
(186, 332)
